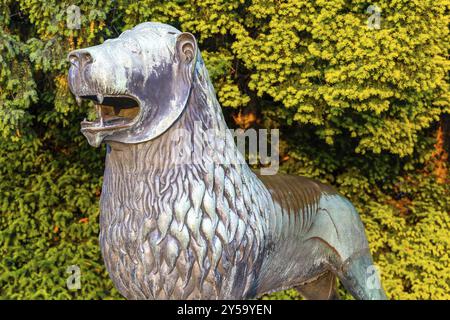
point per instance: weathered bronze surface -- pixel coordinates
(209, 228)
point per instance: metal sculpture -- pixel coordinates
(210, 228)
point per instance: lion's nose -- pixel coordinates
(80, 58)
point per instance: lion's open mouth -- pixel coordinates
(112, 112)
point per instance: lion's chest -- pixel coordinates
(155, 247)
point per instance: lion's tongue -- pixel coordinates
(112, 120)
(106, 117)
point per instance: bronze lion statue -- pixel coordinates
(209, 228)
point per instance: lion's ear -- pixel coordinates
(186, 47)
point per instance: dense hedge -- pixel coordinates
(358, 106)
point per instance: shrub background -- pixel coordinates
(358, 107)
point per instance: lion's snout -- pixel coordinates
(80, 58)
(95, 70)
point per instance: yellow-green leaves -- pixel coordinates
(322, 55)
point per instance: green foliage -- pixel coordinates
(17, 87)
(358, 107)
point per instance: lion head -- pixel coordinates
(140, 82)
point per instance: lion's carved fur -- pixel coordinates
(187, 227)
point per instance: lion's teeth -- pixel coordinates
(100, 98)
(78, 99)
